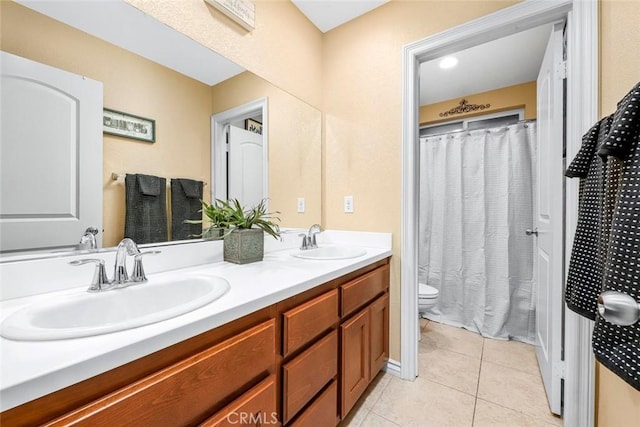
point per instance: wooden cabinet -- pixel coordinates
(304, 361)
(323, 411)
(355, 371)
(364, 336)
(256, 407)
(379, 334)
(185, 393)
(307, 321)
(304, 376)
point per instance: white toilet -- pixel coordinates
(427, 297)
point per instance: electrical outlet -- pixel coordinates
(300, 204)
(348, 204)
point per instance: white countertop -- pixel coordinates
(31, 369)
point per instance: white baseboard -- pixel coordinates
(392, 367)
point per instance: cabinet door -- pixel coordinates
(256, 407)
(379, 334)
(355, 373)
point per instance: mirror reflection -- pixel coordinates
(182, 109)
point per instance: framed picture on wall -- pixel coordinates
(128, 126)
(253, 126)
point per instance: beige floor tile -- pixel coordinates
(374, 420)
(515, 390)
(488, 414)
(373, 392)
(356, 416)
(423, 323)
(451, 338)
(449, 368)
(423, 403)
(512, 354)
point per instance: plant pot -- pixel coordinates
(213, 233)
(244, 246)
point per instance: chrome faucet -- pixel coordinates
(309, 239)
(88, 239)
(120, 275)
(121, 278)
(313, 230)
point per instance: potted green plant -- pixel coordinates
(244, 243)
(216, 217)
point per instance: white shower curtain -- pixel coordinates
(476, 201)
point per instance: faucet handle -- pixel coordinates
(305, 242)
(100, 280)
(138, 274)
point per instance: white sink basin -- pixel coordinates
(85, 314)
(330, 253)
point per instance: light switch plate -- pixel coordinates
(300, 204)
(348, 204)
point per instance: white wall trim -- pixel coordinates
(218, 141)
(582, 105)
(582, 93)
(507, 21)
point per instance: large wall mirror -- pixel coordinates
(182, 107)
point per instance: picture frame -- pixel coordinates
(128, 125)
(253, 126)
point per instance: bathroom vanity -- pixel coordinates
(294, 342)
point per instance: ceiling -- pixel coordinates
(328, 14)
(504, 62)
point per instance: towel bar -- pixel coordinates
(118, 176)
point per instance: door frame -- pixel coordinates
(582, 112)
(219, 123)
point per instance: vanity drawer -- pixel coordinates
(308, 321)
(304, 376)
(323, 411)
(188, 391)
(360, 291)
(254, 408)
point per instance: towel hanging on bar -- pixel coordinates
(185, 204)
(146, 208)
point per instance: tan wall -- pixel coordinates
(506, 98)
(295, 131)
(180, 106)
(284, 49)
(617, 403)
(362, 86)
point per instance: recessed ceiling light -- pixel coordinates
(448, 62)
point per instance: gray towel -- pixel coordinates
(185, 204)
(146, 208)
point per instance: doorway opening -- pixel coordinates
(239, 153)
(582, 110)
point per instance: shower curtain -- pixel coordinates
(476, 201)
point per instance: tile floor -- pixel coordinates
(465, 381)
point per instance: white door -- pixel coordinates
(50, 155)
(245, 167)
(549, 220)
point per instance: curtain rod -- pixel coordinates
(467, 130)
